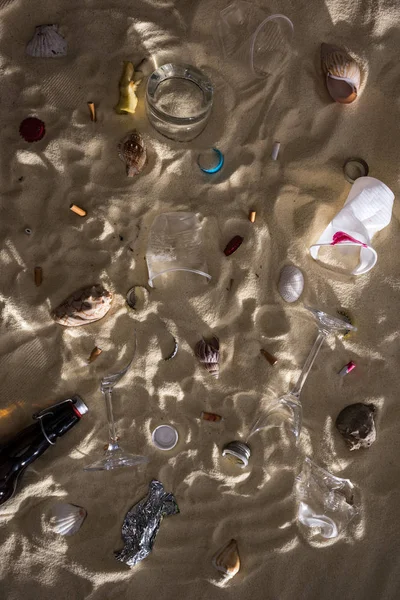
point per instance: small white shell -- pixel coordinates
(66, 519)
(46, 43)
(291, 283)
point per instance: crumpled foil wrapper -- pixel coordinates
(142, 523)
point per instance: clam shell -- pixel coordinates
(208, 354)
(338, 65)
(291, 283)
(86, 305)
(356, 424)
(227, 560)
(132, 152)
(137, 297)
(66, 519)
(47, 43)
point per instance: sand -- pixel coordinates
(295, 198)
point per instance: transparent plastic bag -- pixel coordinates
(175, 244)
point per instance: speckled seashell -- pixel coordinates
(208, 354)
(291, 283)
(66, 519)
(342, 73)
(86, 305)
(227, 560)
(132, 152)
(47, 43)
(356, 424)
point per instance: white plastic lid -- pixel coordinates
(165, 437)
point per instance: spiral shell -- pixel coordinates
(227, 560)
(66, 519)
(86, 305)
(46, 43)
(338, 67)
(208, 354)
(291, 283)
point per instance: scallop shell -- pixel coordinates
(66, 519)
(86, 305)
(208, 354)
(47, 43)
(356, 424)
(227, 560)
(132, 152)
(338, 65)
(291, 283)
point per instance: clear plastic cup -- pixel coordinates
(175, 244)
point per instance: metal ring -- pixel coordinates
(44, 432)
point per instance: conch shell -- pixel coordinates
(132, 152)
(227, 560)
(208, 353)
(86, 305)
(127, 91)
(343, 75)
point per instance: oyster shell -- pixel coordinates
(356, 424)
(208, 354)
(342, 73)
(227, 560)
(67, 519)
(132, 152)
(291, 283)
(86, 305)
(47, 43)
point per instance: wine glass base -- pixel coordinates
(116, 459)
(285, 413)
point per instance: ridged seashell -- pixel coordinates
(137, 297)
(66, 519)
(356, 424)
(291, 283)
(86, 305)
(227, 560)
(47, 43)
(208, 354)
(343, 75)
(132, 152)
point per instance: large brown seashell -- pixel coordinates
(86, 305)
(208, 354)
(356, 424)
(227, 560)
(132, 152)
(343, 75)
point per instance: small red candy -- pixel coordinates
(233, 245)
(32, 129)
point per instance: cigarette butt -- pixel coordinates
(95, 353)
(77, 210)
(275, 150)
(207, 416)
(269, 357)
(92, 110)
(252, 216)
(38, 276)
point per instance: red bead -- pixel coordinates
(32, 129)
(233, 245)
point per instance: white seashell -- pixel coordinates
(66, 519)
(343, 76)
(47, 43)
(291, 283)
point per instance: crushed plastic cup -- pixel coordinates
(257, 44)
(325, 502)
(367, 210)
(175, 244)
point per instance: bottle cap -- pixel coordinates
(165, 437)
(32, 129)
(79, 405)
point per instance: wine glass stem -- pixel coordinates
(110, 417)
(309, 363)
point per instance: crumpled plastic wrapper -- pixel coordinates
(142, 523)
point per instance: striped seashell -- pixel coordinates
(208, 354)
(66, 519)
(227, 560)
(46, 43)
(291, 283)
(343, 76)
(86, 305)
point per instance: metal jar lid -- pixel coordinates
(237, 452)
(354, 168)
